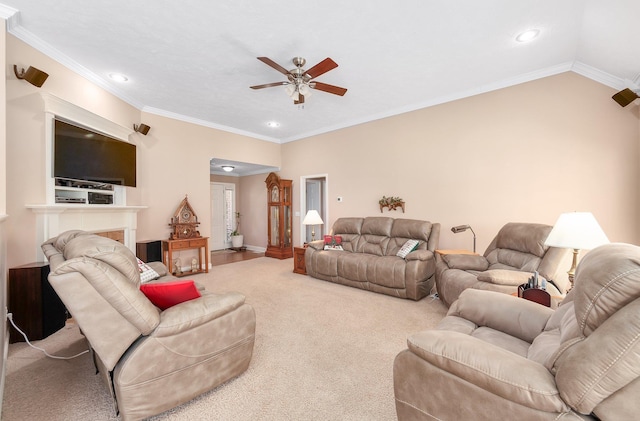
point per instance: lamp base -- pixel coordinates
(572, 272)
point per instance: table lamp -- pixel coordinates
(312, 218)
(576, 231)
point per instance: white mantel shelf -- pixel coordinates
(85, 208)
(52, 220)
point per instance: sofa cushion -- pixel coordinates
(374, 237)
(105, 250)
(167, 294)
(603, 284)
(349, 229)
(526, 238)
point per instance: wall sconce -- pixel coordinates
(34, 76)
(625, 97)
(228, 168)
(142, 128)
(463, 228)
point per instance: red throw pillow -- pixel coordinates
(167, 294)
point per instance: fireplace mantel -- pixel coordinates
(52, 220)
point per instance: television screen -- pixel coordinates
(82, 154)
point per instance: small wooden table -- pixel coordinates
(200, 243)
(299, 265)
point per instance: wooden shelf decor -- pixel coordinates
(391, 202)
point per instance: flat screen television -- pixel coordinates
(82, 154)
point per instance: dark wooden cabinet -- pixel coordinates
(149, 251)
(280, 219)
(37, 310)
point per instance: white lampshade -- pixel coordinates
(312, 218)
(576, 230)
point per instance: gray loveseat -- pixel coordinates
(369, 259)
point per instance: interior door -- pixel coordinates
(222, 215)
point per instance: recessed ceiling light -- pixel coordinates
(273, 124)
(228, 168)
(118, 77)
(528, 35)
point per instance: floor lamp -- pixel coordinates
(463, 228)
(576, 231)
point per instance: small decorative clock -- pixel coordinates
(184, 223)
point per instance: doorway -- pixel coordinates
(313, 196)
(223, 215)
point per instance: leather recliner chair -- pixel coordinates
(151, 360)
(510, 260)
(496, 356)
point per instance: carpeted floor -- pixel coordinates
(323, 352)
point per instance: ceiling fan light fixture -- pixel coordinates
(228, 168)
(304, 89)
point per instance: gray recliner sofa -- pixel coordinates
(369, 259)
(152, 360)
(509, 261)
(499, 357)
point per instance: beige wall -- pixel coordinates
(525, 153)
(173, 159)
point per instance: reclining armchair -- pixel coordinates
(152, 360)
(496, 356)
(510, 260)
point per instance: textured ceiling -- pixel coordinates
(195, 60)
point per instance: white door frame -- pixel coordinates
(225, 186)
(303, 203)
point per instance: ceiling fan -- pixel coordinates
(300, 81)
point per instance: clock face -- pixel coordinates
(186, 215)
(275, 194)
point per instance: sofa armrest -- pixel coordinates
(515, 316)
(505, 277)
(420, 255)
(489, 367)
(193, 313)
(466, 261)
(316, 245)
(159, 267)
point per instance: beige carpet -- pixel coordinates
(323, 352)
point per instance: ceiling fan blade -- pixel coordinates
(268, 85)
(300, 99)
(269, 62)
(323, 67)
(332, 89)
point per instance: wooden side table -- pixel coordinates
(299, 265)
(200, 243)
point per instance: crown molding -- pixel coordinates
(9, 14)
(15, 29)
(598, 75)
(199, 122)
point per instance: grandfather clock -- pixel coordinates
(279, 217)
